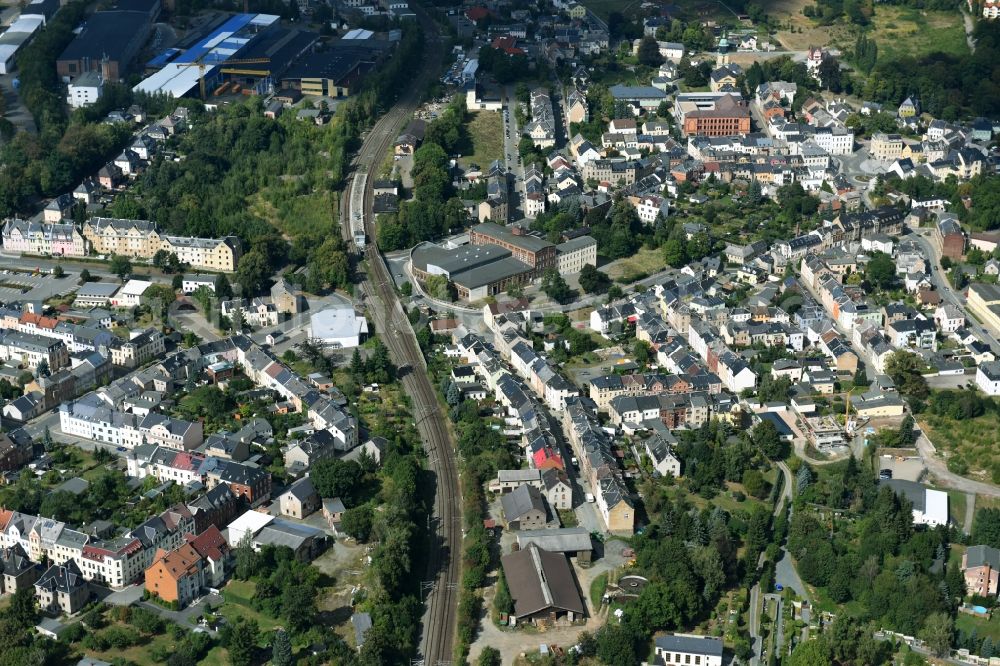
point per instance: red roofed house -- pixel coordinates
(175, 577)
(215, 554)
(476, 14)
(547, 457)
(508, 45)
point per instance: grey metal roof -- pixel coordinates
(563, 540)
(493, 272)
(911, 490)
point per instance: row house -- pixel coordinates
(141, 239)
(178, 576)
(92, 418)
(674, 411)
(117, 563)
(599, 465)
(605, 389)
(55, 239)
(31, 350)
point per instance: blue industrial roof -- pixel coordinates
(218, 37)
(167, 56)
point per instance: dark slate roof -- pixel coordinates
(691, 644)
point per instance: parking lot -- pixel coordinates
(905, 468)
(15, 285)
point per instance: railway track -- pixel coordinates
(392, 325)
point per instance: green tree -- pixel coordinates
(881, 271)
(22, 611)
(252, 270)
(649, 52)
(810, 653)
(247, 559)
(298, 607)
(555, 286)
(58, 271)
(674, 253)
(937, 633)
(120, 266)
(616, 645)
(84, 276)
(765, 436)
(453, 396)
(339, 478)
(503, 601)
(240, 638)
(490, 656)
(593, 281)
(357, 522)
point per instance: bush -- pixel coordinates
(147, 621)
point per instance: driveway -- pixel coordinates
(197, 324)
(786, 576)
(188, 616)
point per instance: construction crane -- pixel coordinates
(203, 66)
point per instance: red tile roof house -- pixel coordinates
(215, 555)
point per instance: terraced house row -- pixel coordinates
(138, 239)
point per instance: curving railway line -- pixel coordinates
(376, 284)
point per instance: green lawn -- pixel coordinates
(238, 595)
(597, 589)
(983, 627)
(957, 502)
(643, 263)
(568, 518)
(485, 132)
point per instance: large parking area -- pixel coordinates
(15, 285)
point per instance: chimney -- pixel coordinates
(105, 69)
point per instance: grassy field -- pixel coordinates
(643, 263)
(983, 627)
(485, 132)
(295, 214)
(905, 31)
(897, 30)
(712, 10)
(969, 446)
(957, 503)
(238, 595)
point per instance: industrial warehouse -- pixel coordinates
(254, 52)
(498, 258)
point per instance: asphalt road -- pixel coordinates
(511, 157)
(949, 295)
